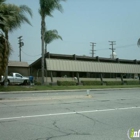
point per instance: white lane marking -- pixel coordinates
(68, 113)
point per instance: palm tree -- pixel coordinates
(11, 18)
(14, 16)
(50, 36)
(46, 9)
(2, 1)
(1, 15)
(5, 50)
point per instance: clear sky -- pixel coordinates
(82, 22)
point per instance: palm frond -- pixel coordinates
(2, 1)
(14, 16)
(24, 8)
(51, 35)
(48, 6)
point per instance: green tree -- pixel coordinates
(46, 9)
(50, 36)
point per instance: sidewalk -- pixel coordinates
(47, 98)
(56, 95)
(54, 91)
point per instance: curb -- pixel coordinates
(54, 91)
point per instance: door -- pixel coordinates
(18, 78)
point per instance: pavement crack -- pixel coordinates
(94, 120)
(4, 123)
(7, 121)
(58, 129)
(54, 124)
(68, 134)
(78, 133)
(69, 109)
(33, 124)
(60, 136)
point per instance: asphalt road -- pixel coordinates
(103, 115)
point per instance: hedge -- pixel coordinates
(73, 83)
(37, 83)
(132, 82)
(113, 83)
(66, 83)
(91, 82)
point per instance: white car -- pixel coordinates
(15, 78)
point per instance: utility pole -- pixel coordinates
(20, 45)
(112, 43)
(92, 50)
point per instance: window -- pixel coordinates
(18, 75)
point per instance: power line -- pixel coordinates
(31, 55)
(125, 46)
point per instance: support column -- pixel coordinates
(51, 77)
(77, 74)
(118, 61)
(136, 62)
(78, 81)
(47, 55)
(122, 78)
(101, 77)
(139, 78)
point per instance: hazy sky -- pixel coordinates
(82, 22)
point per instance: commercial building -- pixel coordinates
(19, 67)
(66, 67)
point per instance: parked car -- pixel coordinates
(15, 78)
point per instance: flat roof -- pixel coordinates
(37, 63)
(18, 64)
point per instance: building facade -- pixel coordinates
(18, 67)
(68, 67)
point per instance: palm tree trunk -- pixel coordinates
(42, 44)
(6, 35)
(45, 48)
(6, 58)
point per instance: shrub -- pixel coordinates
(132, 82)
(91, 82)
(37, 83)
(66, 83)
(113, 83)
